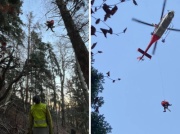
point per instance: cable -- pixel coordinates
(162, 81)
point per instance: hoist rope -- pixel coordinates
(162, 80)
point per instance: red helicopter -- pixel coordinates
(159, 30)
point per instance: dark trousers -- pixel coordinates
(40, 130)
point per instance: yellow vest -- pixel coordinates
(38, 112)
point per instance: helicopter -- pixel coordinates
(159, 30)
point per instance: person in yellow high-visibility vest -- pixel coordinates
(40, 121)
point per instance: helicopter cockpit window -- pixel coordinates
(171, 14)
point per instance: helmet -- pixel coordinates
(36, 99)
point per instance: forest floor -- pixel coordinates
(14, 119)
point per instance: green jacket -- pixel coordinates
(40, 116)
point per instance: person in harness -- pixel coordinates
(40, 118)
(165, 104)
(50, 24)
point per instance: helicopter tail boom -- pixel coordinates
(144, 53)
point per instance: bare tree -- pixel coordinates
(79, 47)
(65, 60)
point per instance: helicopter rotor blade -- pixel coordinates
(154, 49)
(142, 22)
(173, 29)
(162, 13)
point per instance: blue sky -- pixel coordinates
(41, 14)
(133, 105)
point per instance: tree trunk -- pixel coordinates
(9, 88)
(80, 49)
(62, 76)
(84, 87)
(30, 17)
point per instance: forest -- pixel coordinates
(57, 71)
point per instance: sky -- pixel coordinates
(133, 105)
(41, 14)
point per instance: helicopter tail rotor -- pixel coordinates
(144, 53)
